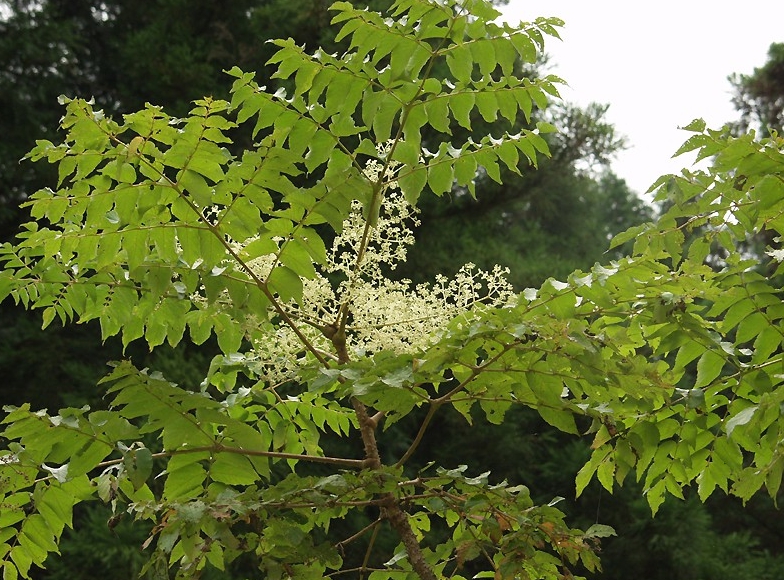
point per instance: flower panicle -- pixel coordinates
(386, 314)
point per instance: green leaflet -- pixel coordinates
(708, 368)
(233, 470)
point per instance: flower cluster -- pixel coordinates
(384, 314)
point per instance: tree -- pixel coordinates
(759, 97)
(155, 229)
(137, 52)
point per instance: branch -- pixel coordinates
(418, 439)
(435, 404)
(340, 461)
(366, 559)
(398, 519)
(359, 534)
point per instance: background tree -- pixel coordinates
(125, 54)
(759, 96)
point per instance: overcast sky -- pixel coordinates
(658, 64)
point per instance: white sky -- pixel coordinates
(658, 64)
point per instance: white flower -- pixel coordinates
(777, 255)
(384, 314)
